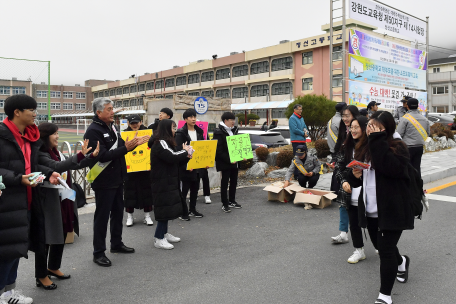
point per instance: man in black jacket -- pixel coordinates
(190, 178)
(165, 113)
(222, 161)
(108, 185)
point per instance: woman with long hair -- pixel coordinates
(59, 213)
(166, 193)
(385, 201)
(348, 114)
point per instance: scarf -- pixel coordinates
(228, 129)
(299, 116)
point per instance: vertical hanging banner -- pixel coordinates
(364, 45)
(389, 19)
(239, 147)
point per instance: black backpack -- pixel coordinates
(416, 191)
(80, 195)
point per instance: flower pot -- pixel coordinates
(252, 123)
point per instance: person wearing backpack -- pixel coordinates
(385, 203)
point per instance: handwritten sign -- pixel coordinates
(202, 124)
(204, 155)
(239, 147)
(139, 158)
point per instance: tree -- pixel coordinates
(317, 110)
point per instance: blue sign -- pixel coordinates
(201, 105)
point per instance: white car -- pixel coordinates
(284, 130)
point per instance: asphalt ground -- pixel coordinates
(266, 252)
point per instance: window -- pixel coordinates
(158, 96)
(5, 90)
(181, 80)
(282, 64)
(194, 78)
(133, 89)
(242, 70)
(118, 103)
(126, 90)
(440, 109)
(150, 86)
(2, 116)
(337, 52)
(208, 93)
(18, 90)
(197, 93)
(440, 90)
(112, 92)
(222, 74)
(142, 87)
(307, 58)
(207, 76)
(80, 106)
(259, 90)
(260, 112)
(126, 103)
(2, 104)
(41, 105)
(169, 96)
(82, 95)
(95, 95)
(159, 84)
(225, 93)
(67, 106)
(279, 113)
(55, 105)
(281, 88)
(106, 93)
(259, 67)
(140, 101)
(240, 92)
(69, 95)
(307, 84)
(41, 94)
(133, 102)
(337, 81)
(169, 83)
(56, 94)
(436, 70)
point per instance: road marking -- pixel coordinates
(435, 189)
(444, 198)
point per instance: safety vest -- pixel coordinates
(333, 136)
(417, 125)
(300, 167)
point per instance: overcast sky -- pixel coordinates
(114, 39)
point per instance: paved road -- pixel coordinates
(266, 252)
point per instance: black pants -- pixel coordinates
(356, 231)
(109, 206)
(311, 180)
(230, 175)
(415, 157)
(161, 230)
(390, 259)
(193, 186)
(206, 187)
(51, 259)
(296, 144)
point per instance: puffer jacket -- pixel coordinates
(408, 132)
(297, 126)
(181, 138)
(222, 155)
(311, 164)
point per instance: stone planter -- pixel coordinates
(252, 123)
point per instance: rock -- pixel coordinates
(451, 143)
(312, 151)
(280, 173)
(272, 159)
(257, 170)
(214, 178)
(443, 142)
(429, 145)
(255, 157)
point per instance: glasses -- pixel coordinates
(346, 115)
(34, 111)
(353, 129)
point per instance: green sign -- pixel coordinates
(239, 147)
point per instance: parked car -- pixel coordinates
(265, 139)
(284, 131)
(444, 120)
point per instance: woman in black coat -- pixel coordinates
(166, 194)
(384, 204)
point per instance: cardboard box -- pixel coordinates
(70, 238)
(276, 192)
(318, 199)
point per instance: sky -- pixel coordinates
(114, 39)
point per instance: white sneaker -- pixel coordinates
(129, 219)
(16, 297)
(208, 199)
(147, 220)
(163, 244)
(339, 239)
(171, 238)
(358, 255)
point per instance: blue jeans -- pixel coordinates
(161, 230)
(8, 274)
(343, 222)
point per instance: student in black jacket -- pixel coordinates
(222, 161)
(190, 178)
(165, 113)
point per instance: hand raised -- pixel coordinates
(85, 147)
(97, 150)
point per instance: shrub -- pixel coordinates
(262, 153)
(441, 134)
(437, 128)
(241, 117)
(322, 148)
(284, 158)
(246, 164)
(449, 134)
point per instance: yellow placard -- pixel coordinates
(139, 158)
(204, 155)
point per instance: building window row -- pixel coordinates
(80, 95)
(5, 90)
(440, 90)
(241, 70)
(159, 84)
(224, 93)
(181, 81)
(259, 67)
(307, 58)
(222, 74)
(259, 90)
(80, 106)
(337, 52)
(194, 78)
(208, 93)
(207, 76)
(67, 106)
(55, 105)
(280, 64)
(282, 88)
(307, 84)
(169, 82)
(41, 105)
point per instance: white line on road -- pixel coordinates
(444, 198)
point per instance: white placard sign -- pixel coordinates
(387, 18)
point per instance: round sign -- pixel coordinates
(201, 105)
(355, 42)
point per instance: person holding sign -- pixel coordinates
(137, 191)
(59, 211)
(190, 178)
(414, 129)
(223, 163)
(107, 177)
(165, 159)
(306, 168)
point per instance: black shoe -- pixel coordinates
(226, 208)
(184, 218)
(64, 277)
(195, 214)
(235, 205)
(102, 261)
(122, 249)
(48, 287)
(404, 274)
